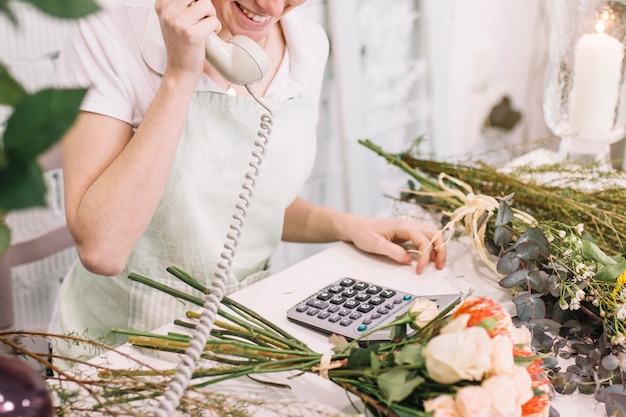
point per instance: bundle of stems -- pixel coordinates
(600, 210)
(244, 343)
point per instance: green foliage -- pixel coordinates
(37, 122)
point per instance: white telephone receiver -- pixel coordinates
(240, 60)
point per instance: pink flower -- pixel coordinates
(473, 401)
(502, 360)
(425, 311)
(442, 406)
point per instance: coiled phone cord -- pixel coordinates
(177, 386)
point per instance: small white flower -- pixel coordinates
(561, 234)
(563, 304)
(550, 238)
(574, 304)
(580, 228)
(580, 294)
(567, 253)
(621, 313)
(595, 302)
(581, 267)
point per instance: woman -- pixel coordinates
(155, 161)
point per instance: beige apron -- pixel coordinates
(191, 223)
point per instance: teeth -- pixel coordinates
(252, 16)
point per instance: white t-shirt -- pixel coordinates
(120, 56)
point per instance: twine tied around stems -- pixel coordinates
(475, 211)
(326, 365)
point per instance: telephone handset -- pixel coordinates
(239, 60)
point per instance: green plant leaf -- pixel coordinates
(528, 251)
(508, 263)
(5, 237)
(592, 251)
(68, 9)
(8, 12)
(395, 384)
(40, 120)
(410, 355)
(515, 279)
(610, 273)
(22, 186)
(11, 92)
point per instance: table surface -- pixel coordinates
(464, 273)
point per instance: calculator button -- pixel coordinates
(317, 303)
(387, 293)
(397, 300)
(345, 322)
(312, 311)
(356, 315)
(337, 299)
(323, 315)
(333, 308)
(374, 289)
(334, 319)
(375, 316)
(344, 312)
(360, 286)
(383, 310)
(351, 304)
(347, 282)
(336, 289)
(365, 308)
(376, 300)
(407, 297)
(362, 296)
(389, 306)
(349, 293)
(324, 296)
(362, 327)
(367, 321)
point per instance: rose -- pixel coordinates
(502, 359)
(462, 355)
(422, 312)
(522, 337)
(473, 401)
(508, 392)
(486, 313)
(442, 406)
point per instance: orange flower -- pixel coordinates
(486, 313)
(539, 405)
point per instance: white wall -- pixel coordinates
(478, 51)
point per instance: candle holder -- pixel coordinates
(583, 97)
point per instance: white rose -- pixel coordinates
(456, 325)
(463, 355)
(502, 360)
(425, 310)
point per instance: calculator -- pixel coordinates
(350, 307)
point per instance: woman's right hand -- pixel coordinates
(185, 25)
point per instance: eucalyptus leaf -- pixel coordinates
(68, 9)
(508, 263)
(504, 215)
(395, 384)
(615, 405)
(545, 325)
(539, 281)
(514, 279)
(502, 236)
(11, 92)
(22, 186)
(40, 120)
(611, 389)
(528, 251)
(535, 235)
(5, 237)
(360, 358)
(530, 306)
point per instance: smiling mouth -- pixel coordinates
(252, 16)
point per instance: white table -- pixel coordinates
(463, 273)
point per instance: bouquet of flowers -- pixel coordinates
(467, 360)
(556, 247)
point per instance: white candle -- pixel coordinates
(595, 89)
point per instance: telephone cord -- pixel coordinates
(170, 401)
